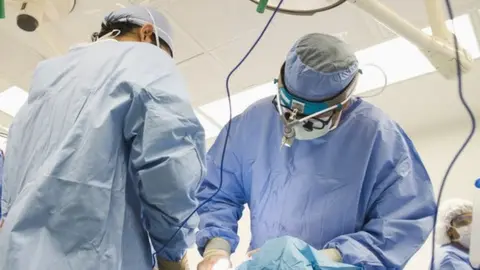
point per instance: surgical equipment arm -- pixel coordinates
(2, 9)
(438, 48)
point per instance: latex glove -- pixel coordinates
(213, 260)
(216, 256)
(333, 254)
(169, 265)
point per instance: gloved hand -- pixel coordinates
(169, 265)
(216, 251)
(333, 254)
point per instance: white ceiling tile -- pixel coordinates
(185, 47)
(265, 61)
(4, 84)
(17, 57)
(205, 78)
(262, 65)
(230, 27)
(90, 23)
(346, 21)
(357, 28)
(213, 23)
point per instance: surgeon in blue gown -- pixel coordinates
(106, 137)
(454, 229)
(351, 184)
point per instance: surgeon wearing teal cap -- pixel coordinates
(106, 154)
(316, 163)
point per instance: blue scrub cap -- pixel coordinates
(141, 15)
(319, 67)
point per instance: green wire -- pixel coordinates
(2, 9)
(262, 5)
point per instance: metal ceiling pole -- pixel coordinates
(2, 9)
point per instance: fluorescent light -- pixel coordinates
(12, 99)
(218, 110)
(410, 63)
(398, 67)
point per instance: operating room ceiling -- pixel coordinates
(211, 36)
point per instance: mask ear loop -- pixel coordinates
(110, 35)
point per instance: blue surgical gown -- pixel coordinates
(107, 134)
(362, 188)
(449, 257)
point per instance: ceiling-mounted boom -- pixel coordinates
(438, 48)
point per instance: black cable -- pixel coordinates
(304, 12)
(470, 135)
(278, 9)
(227, 84)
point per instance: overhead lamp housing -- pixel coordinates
(32, 13)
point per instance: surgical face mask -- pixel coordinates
(465, 233)
(309, 127)
(314, 128)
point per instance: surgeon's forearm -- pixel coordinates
(362, 249)
(172, 245)
(170, 200)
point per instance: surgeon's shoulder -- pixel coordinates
(380, 127)
(152, 69)
(369, 114)
(260, 109)
(147, 57)
(450, 259)
(253, 116)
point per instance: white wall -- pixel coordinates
(437, 148)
